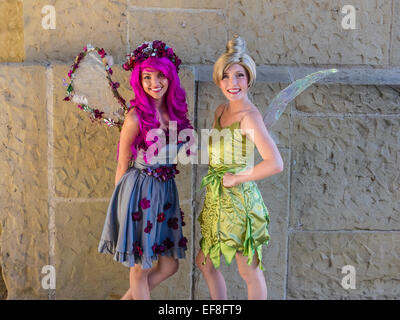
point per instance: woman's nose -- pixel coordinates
(155, 82)
(232, 81)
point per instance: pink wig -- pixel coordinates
(175, 99)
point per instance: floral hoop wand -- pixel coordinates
(94, 113)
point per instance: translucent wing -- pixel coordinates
(283, 98)
(93, 89)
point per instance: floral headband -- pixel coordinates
(157, 49)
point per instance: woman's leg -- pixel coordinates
(166, 267)
(254, 277)
(139, 284)
(214, 278)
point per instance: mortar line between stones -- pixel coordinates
(289, 208)
(50, 166)
(345, 115)
(193, 194)
(187, 10)
(344, 231)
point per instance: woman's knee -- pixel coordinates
(204, 264)
(138, 273)
(200, 261)
(249, 272)
(168, 265)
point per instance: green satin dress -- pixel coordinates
(232, 219)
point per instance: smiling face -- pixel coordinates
(154, 83)
(234, 82)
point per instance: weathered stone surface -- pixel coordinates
(78, 22)
(316, 260)
(395, 48)
(24, 190)
(292, 32)
(185, 32)
(82, 272)
(345, 174)
(349, 99)
(3, 288)
(84, 152)
(178, 286)
(202, 4)
(11, 31)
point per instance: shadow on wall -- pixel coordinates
(3, 289)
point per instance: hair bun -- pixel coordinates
(236, 45)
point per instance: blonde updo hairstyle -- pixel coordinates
(235, 53)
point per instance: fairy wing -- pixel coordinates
(283, 98)
(93, 89)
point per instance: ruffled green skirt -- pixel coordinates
(233, 219)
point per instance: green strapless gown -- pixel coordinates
(232, 219)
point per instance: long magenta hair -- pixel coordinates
(175, 99)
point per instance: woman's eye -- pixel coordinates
(146, 77)
(240, 75)
(161, 75)
(224, 76)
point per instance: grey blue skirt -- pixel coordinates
(144, 219)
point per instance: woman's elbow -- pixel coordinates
(279, 165)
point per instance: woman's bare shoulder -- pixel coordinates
(251, 117)
(132, 116)
(131, 124)
(219, 110)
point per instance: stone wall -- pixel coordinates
(336, 203)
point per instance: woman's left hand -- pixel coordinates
(229, 180)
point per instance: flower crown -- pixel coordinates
(156, 48)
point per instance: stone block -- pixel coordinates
(82, 272)
(316, 260)
(310, 32)
(349, 99)
(12, 31)
(24, 191)
(78, 22)
(344, 173)
(192, 40)
(84, 152)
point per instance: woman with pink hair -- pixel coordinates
(144, 221)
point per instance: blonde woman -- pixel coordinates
(234, 219)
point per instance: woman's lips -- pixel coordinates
(233, 91)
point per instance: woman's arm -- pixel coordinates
(129, 132)
(252, 124)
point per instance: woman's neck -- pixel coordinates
(159, 104)
(237, 105)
